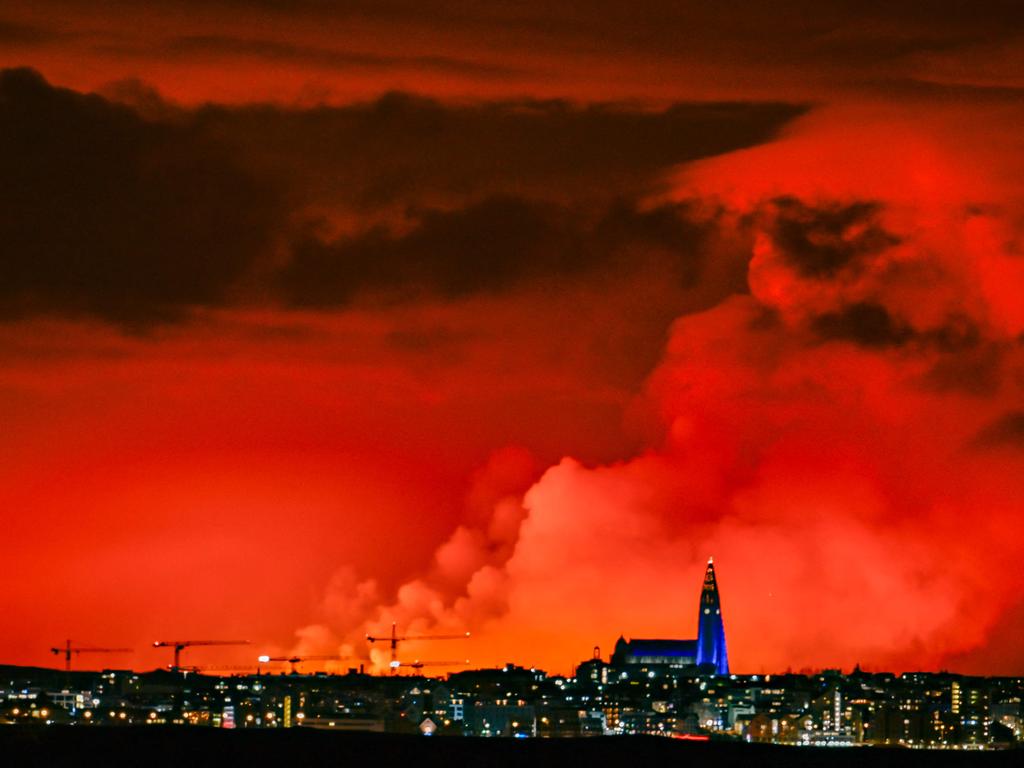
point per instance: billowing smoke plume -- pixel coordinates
(846, 438)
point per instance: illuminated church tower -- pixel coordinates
(710, 630)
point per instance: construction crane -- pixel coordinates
(180, 645)
(68, 649)
(395, 639)
(218, 668)
(418, 665)
(296, 660)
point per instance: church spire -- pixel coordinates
(710, 628)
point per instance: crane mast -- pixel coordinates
(67, 650)
(395, 639)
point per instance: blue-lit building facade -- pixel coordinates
(711, 652)
(707, 653)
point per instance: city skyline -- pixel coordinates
(319, 319)
(707, 652)
(639, 691)
(706, 655)
(667, 687)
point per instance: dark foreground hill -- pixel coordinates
(189, 747)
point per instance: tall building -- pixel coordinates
(708, 649)
(710, 629)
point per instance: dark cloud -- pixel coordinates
(1005, 432)
(953, 93)
(959, 334)
(964, 360)
(678, 229)
(494, 245)
(102, 212)
(193, 46)
(859, 38)
(481, 248)
(133, 210)
(143, 99)
(977, 372)
(14, 33)
(822, 240)
(402, 149)
(865, 323)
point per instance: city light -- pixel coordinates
(665, 687)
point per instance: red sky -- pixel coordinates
(504, 319)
